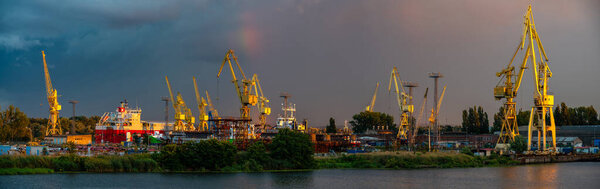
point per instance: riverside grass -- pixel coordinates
(10, 165)
(24, 171)
(74, 163)
(410, 160)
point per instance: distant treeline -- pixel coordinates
(16, 126)
(563, 116)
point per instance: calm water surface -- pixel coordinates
(577, 175)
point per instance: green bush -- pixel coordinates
(292, 150)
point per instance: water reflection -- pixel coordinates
(302, 179)
(564, 175)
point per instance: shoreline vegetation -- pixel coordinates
(13, 165)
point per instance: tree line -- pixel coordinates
(16, 126)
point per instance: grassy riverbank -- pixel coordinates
(10, 165)
(410, 160)
(24, 171)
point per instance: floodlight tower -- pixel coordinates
(435, 77)
(73, 119)
(410, 86)
(166, 99)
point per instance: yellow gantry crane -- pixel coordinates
(543, 102)
(246, 98)
(53, 127)
(202, 117)
(370, 106)
(179, 115)
(262, 105)
(402, 99)
(434, 116)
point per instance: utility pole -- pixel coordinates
(73, 118)
(166, 99)
(435, 77)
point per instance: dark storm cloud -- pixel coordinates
(327, 54)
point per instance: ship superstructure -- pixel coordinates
(288, 119)
(121, 125)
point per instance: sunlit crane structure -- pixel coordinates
(189, 118)
(202, 116)
(53, 127)
(415, 128)
(402, 99)
(372, 104)
(263, 103)
(543, 102)
(433, 118)
(246, 98)
(179, 114)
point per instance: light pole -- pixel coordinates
(73, 118)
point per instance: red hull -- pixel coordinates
(118, 136)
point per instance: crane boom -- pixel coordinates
(179, 116)
(53, 127)
(202, 117)
(370, 107)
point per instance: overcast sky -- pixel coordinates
(327, 54)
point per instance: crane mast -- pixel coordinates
(202, 117)
(53, 127)
(370, 106)
(179, 116)
(402, 99)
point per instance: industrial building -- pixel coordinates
(587, 133)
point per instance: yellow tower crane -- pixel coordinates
(402, 99)
(434, 116)
(262, 105)
(202, 117)
(370, 106)
(179, 115)
(53, 127)
(246, 98)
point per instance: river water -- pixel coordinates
(577, 175)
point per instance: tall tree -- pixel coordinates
(331, 127)
(498, 119)
(14, 126)
(475, 120)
